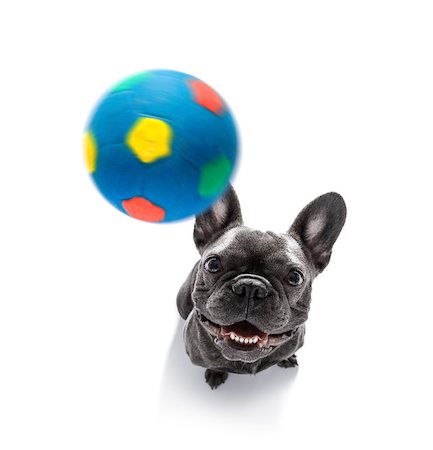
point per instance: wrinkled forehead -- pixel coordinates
(245, 242)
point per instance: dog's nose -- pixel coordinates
(248, 287)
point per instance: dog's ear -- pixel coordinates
(318, 226)
(224, 214)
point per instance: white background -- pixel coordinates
(334, 95)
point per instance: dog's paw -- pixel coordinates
(289, 362)
(215, 378)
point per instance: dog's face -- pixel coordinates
(253, 288)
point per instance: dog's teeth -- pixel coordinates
(243, 340)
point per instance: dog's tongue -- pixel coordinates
(244, 329)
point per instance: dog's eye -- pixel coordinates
(213, 264)
(295, 277)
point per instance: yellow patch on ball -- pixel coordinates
(150, 139)
(90, 151)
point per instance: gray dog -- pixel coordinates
(246, 301)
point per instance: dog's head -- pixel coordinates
(253, 288)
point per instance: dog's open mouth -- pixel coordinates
(244, 335)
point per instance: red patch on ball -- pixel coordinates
(205, 96)
(143, 209)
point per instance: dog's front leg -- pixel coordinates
(215, 377)
(291, 361)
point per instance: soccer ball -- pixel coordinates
(161, 146)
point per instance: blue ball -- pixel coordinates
(161, 146)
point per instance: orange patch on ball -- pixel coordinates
(142, 209)
(205, 96)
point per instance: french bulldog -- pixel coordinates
(247, 299)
